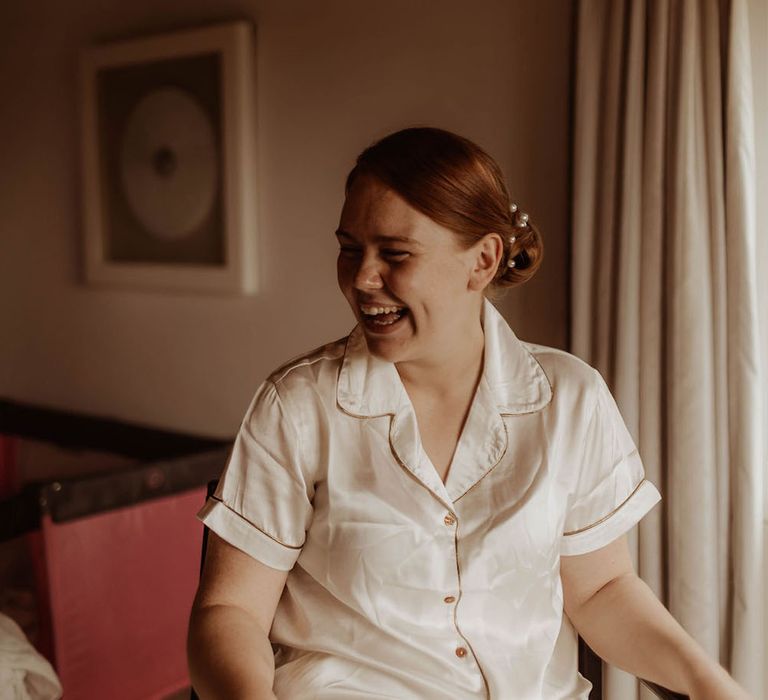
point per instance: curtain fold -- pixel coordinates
(664, 299)
(746, 376)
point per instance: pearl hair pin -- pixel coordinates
(520, 220)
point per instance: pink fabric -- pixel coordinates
(121, 588)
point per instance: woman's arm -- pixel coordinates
(228, 648)
(621, 619)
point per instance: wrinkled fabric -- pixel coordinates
(400, 585)
(24, 673)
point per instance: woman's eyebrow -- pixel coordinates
(381, 238)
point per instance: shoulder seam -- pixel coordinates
(536, 350)
(308, 359)
(305, 363)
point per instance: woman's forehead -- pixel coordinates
(368, 196)
(373, 210)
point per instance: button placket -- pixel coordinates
(460, 651)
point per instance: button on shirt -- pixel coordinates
(400, 585)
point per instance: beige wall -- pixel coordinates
(332, 76)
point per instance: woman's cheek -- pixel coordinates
(344, 273)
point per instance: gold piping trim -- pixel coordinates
(456, 607)
(363, 415)
(605, 517)
(501, 456)
(448, 505)
(323, 352)
(266, 534)
(338, 379)
(528, 409)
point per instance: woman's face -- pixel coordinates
(407, 278)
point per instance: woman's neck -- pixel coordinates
(455, 370)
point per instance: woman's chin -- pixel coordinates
(387, 346)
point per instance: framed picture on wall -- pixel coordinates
(168, 151)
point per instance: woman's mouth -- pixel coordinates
(382, 318)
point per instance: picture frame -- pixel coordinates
(168, 161)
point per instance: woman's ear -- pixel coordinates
(488, 252)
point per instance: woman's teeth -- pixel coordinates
(382, 315)
(375, 310)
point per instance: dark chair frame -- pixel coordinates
(590, 664)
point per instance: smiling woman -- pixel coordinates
(419, 270)
(429, 507)
(422, 204)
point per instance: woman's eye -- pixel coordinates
(391, 254)
(349, 251)
(395, 254)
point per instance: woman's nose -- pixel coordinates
(368, 275)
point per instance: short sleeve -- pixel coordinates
(612, 493)
(263, 504)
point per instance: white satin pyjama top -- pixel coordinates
(401, 586)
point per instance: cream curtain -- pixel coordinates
(664, 298)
